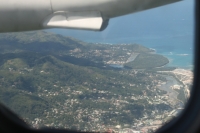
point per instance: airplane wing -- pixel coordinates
(89, 20)
(25, 15)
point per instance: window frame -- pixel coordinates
(187, 122)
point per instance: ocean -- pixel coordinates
(168, 29)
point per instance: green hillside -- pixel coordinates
(52, 80)
(147, 61)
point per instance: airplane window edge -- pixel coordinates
(185, 123)
(176, 123)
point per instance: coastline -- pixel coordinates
(180, 62)
(183, 75)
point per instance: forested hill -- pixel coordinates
(49, 80)
(78, 52)
(38, 41)
(46, 41)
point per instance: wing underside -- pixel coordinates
(89, 20)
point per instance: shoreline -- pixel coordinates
(185, 77)
(172, 60)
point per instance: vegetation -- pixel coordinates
(147, 60)
(165, 69)
(59, 81)
(181, 95)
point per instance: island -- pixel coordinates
(54, 81)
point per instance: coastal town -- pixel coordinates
(169, 90)
(150, 121)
